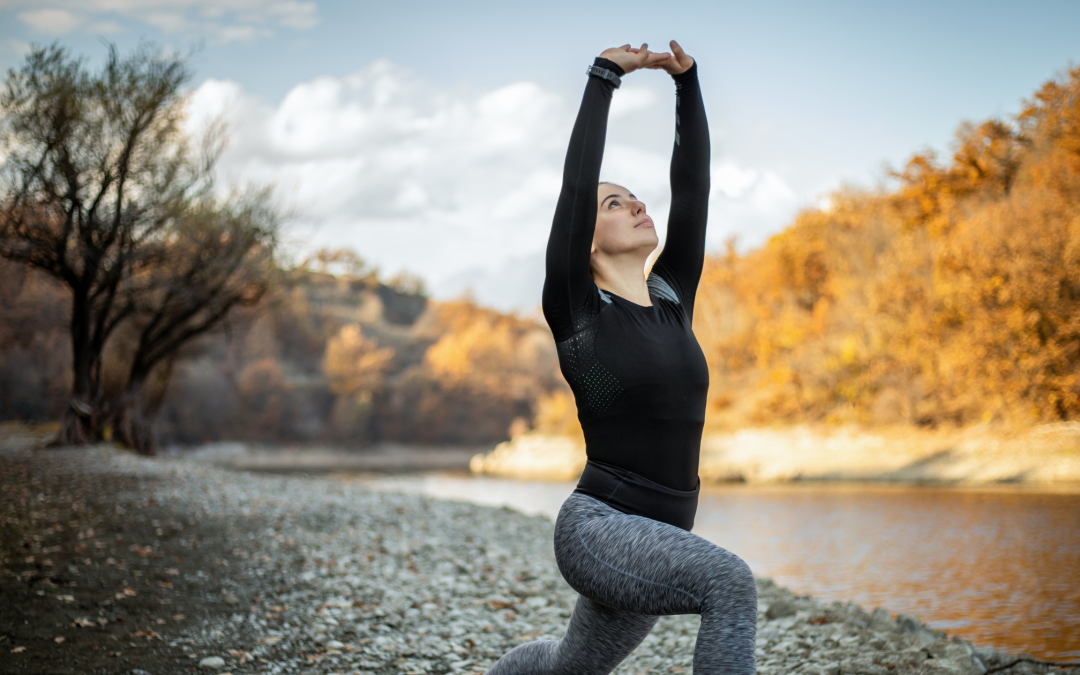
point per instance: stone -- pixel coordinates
(907, 623)
(881, 622)
(212, 663)
(780, 609)
(231, 599)
(863, 666)
(937, 649)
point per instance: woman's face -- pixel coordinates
(621, 223)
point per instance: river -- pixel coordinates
(998, 566)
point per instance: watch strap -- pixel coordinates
(604, 74)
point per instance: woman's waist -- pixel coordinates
(633, 494)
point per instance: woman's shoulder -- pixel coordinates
(661, 288)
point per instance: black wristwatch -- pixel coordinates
(604, 74)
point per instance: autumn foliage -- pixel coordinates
(953, 296)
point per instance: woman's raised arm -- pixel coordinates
(683, 257)
(570, 295)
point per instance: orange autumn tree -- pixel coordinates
(488, 352)
(953, 297)
(356, 367)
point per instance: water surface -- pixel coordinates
(1000, 567)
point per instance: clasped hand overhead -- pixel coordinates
(631, 59)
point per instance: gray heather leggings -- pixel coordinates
(628, 571)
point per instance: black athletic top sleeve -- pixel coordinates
(638, 374)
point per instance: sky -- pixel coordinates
(429, 136)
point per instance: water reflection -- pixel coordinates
(999, 567)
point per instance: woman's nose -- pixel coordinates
(639, 207)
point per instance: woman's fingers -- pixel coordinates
(632, 58)
(682, 58)
(658, 60)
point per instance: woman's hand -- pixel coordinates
(677, 64)
(630, 59)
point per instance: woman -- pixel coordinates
(622, 539)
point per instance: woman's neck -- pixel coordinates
(625, 277)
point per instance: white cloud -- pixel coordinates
(51, 21)
(449, 185)
(414, 179)
(631, 99)
(732, 180)
(750, 204)
(225, 20)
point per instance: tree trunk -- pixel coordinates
(131, 416)
(79, 423)
(77, 426)
(131, 426)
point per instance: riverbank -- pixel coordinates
(114, 563)
(1041, 456)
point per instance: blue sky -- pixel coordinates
(429, 136)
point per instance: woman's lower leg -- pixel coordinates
(596, 641)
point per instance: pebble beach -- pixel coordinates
(117, 563)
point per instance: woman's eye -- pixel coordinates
(613, 203)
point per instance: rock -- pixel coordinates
(881, 622)
(334, 644)
(907, 623)
(937, 649)
(957, 654)
(863, 666)
(231, 599)
(536, 602)
(942, 667)
(212, 663)
(780, 609)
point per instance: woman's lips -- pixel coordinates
(645, 221)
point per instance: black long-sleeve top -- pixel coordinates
(638, 374)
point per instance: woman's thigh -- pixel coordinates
(641, 565)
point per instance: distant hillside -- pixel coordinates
(345, 359)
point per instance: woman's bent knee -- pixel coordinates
(730, 578)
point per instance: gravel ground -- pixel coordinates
(113, 563)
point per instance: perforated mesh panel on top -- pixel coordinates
(594, 386)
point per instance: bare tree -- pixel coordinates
(216, 256)
(96, 165)
(102, 189)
